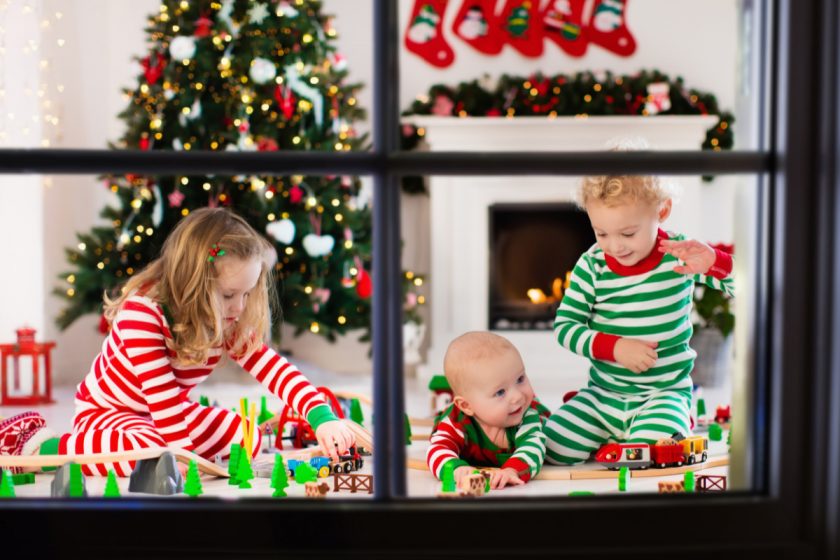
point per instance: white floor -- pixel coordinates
(420, 483)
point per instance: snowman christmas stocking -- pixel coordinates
(477, 26)
(520, 21)
(608, 27)
(424, 36)
(562, 21)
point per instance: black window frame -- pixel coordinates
(794, 509)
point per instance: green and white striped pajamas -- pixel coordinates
(600, 306)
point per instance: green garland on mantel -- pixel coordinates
(585, 93)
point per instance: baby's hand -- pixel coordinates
(335, 438)
(504, 477)
(697, 256)
(636, 355)
(461, 472)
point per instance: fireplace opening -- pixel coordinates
(533, 249)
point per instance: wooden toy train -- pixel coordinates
(667, 452)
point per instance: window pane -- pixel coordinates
(566, 59)
(505, 256)
(320, 229)
(184, 76)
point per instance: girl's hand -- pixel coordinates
(461, 472)
(504, 477)
(335, 438)
(697, 256)
(636, 355)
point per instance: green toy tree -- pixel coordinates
(623, 477)
(203, 400)
(689, 481)
(7, 487)
(356, 414)
(715, 432)
(112, 489)
(192, 486)
(238, 75)
(265, 414)
(407, 425)
(447, 477)
(77, 481)
(305, 473)
(279, 477)
(244, 472)
(701, 408)
(233, 463)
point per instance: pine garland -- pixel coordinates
(583, 93)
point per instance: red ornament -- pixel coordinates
(364, 285)
(176, 198)
(153, 70)
(286, 99)
(494, 112)
(202, 26)
(266, 144)
(443, 106)
(144, 142)
(295, 194)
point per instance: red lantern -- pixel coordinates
(38, 352)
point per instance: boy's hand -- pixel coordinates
(634, 354)
(335, 438)
(697, 256)
(504, 477)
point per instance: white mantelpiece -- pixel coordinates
(459, 218)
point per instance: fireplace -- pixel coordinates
(460, 215)
(533, 248)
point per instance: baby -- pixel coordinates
(494, 419)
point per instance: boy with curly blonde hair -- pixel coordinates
(628, 309)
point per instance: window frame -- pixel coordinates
(794, 508)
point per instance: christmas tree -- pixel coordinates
(112, 489)
(279, 477)
(239, 75)
(244, 472)
(192, 486)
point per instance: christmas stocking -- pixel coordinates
(476, 24)
(562, 20)
(520, 21)
(608, 27)
(424, 36)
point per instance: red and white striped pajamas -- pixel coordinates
(134, 397)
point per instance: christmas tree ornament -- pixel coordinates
(476, 24)
(608, 27)
(182, 48)
(284, 9)
(153, 66)
(176, 198)
(424, 36)
(258, 13)
(282, 230)
(177, 144)
(522, 28)
(658, 98)
(320, 296)
(262, 70)
(295, 194)
(347, 280)
(443, 106)
(157, 211)
(563, 25)
(303, 89)
(339, 62)
(225, 16)
(318, 245)
(286, 100)
(202, 27)
(364, 285)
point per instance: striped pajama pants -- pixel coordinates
(594, 416)
(99, 430)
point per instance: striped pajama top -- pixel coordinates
(606, 301)
(459, 438)
(134, 372)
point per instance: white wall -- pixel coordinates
(677, 37)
